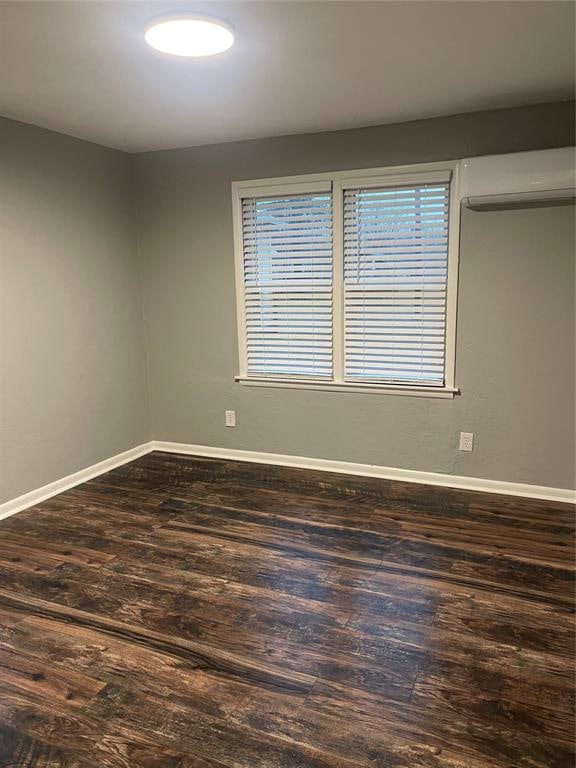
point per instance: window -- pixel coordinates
(348, 281)
(288, 265)
(395, 273)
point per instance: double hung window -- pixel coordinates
(348, 281)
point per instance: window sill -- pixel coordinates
(329, 386)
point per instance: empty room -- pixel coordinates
(287, 384)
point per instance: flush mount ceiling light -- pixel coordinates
(189, 36)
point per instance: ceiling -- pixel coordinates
(82, 68)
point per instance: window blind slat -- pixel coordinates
(395, 283)
(288, 265)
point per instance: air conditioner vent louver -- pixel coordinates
(534, 199)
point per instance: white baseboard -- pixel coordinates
(52, 489)
(373, 470)
(303, 462)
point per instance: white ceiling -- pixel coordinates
(83, 68)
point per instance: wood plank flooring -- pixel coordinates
(181, 612)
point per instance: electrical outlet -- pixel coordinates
(230, 418)
(466, 441)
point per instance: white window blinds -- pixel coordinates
(288, 266)
(395, 283)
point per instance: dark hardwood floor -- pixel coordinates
(197, 613)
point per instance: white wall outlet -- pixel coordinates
(466, 441)
(230, 418)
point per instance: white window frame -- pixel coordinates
(338, 182)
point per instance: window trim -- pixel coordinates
(338, 182)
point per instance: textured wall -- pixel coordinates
(515, 350)
(72, 362)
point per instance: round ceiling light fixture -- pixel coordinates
(189, 36)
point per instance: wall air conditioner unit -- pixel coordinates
(519, 180)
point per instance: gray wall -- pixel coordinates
(72, 361)
(72, 356)
(515, 351)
